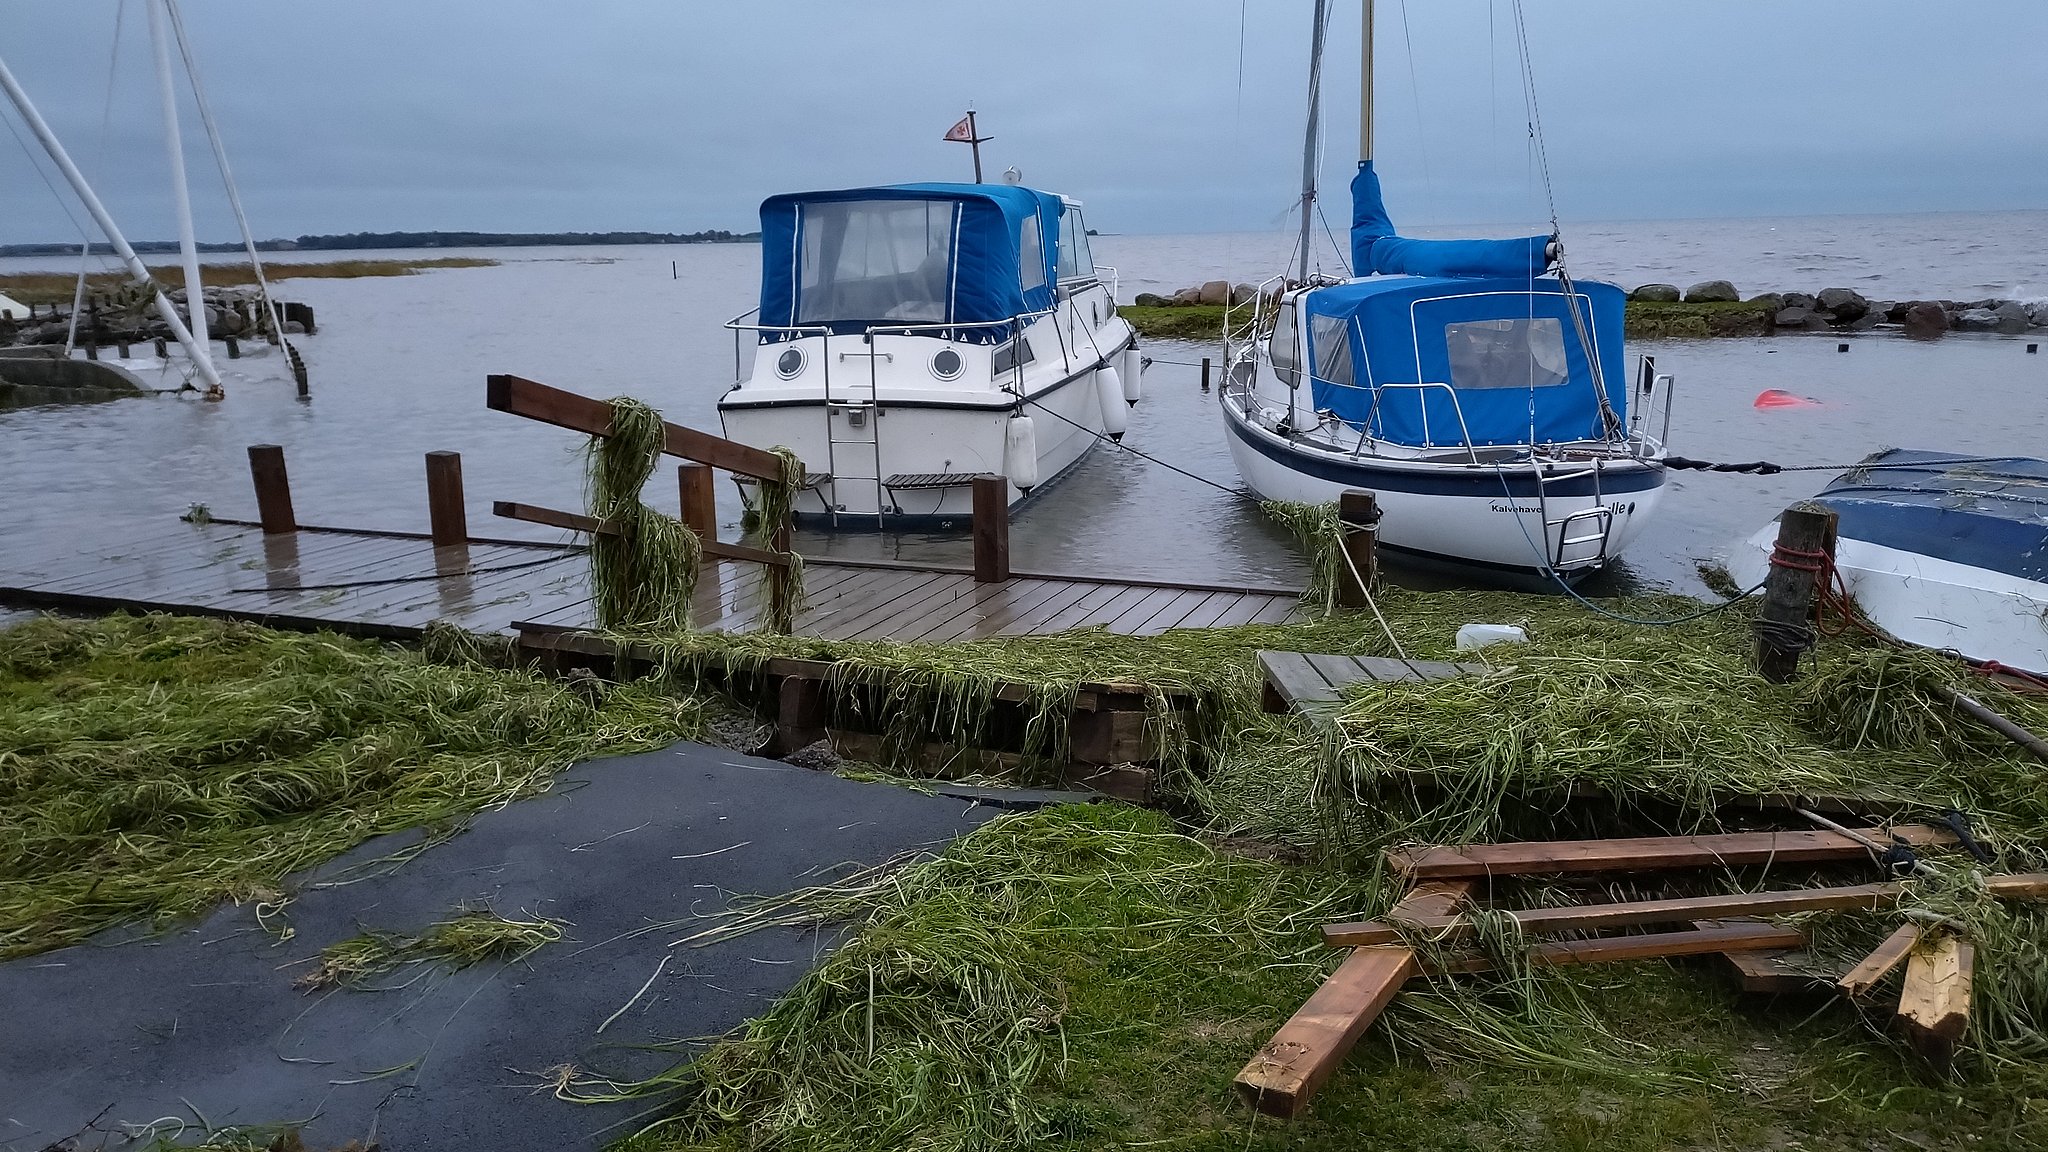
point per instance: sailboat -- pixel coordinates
(1472, 386)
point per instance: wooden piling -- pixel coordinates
(92, 350)
(1205, 373)
(234, 347)
(163, 350)
(1802, 558)
(125, 348)
(446, 513)
(700, 499)
(991, 529)
(1358, 518)
(273, 489)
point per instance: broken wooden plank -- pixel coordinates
(1288, 1070)
(1935, 1005)
(1593, 917)
(1642, 853)
(1881, 962)
(1771, 971)
(1653, 945)
(1294, 681)
(2018, 886)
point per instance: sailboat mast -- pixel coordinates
(174, 144)
(1365, 87)
(1308, 145)
(40, 128)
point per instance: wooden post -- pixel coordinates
(273, 490)
(1784, 625)
(700, 499)
(781, 540)
(124, 348)
(234, 347)
(1205, 373)
(92, 350)
(991, 529)
(445, 511)
(1358, 518)
(163, 351)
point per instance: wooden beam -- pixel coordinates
(1882, 962)
(2018, 886)
(1286, 1073)
(1653, 852)
(1593, 917)
(537, 401)
(577, 522)
(273, 489)
(991, 529)
(1935, 1005)
(699, 499)
(446, 515)
(1692, 942)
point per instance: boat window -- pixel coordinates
(876, 260)
(1031, 253)
(1329, 339)
(1010, 355)
(1281, 347)
(1075, 261)
(1524, 353)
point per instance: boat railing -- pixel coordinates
(736, 327)
(1016, 324)
(1113, 283)
(1422, 391)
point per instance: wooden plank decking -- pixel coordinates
(1308, 681)
(395, 584)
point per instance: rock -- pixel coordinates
(1925, 320)
(1149, 300)
(1712, 292)
(1887, 311)
(1818, 323)
(1656, 294)
(2040, 314)
(1866, 322)
(1976, 320)
(1794, 317)
(1187, 296)
(1243, 294)
(1799, 300)
(1215, 292)
(1767, 302)
(1844, 304)
(2012, 317)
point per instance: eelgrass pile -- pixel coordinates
(643, 571)
(471, 936)
(775, 504)
(155, 765)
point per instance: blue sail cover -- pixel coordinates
(855, 258)
(1507, 347)
(1375, 247)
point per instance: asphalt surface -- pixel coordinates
(201, 1026)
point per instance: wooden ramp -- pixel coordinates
(1307, 681)
(394, 584)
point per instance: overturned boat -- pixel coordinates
(912, 337)
(1944, 551)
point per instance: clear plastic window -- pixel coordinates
(1281, 348)
(876, 260)
(1525, 353)
(1031, 253)
(1329, 341)
(1075, 261)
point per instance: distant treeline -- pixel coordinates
(360, 240)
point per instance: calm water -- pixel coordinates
(399, 365)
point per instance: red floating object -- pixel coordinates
(1779, 398)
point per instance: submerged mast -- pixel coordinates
(1308, 145)
(174, 144)
(136, 269)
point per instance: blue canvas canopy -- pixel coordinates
(1375, 247)
(1508, 349)
(908, 254)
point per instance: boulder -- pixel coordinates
(1925, 320)
(1794, 317)
(1767, 302)
(1799, 300)
(1712, 292)
(1818, 322)
(1844, 304)
(1887, 311)
(1976, 320)
(1215, 292)
(1243, 294)
(1187, 296)
(2040, 314)
(1656, 294)
(1866, 322)
(1150, 300)
(2012, 317)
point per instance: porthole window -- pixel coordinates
(947, 364)
(789, 364)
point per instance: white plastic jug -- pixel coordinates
(1480, 635)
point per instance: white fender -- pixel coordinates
(1133, 368)
(1109, 392)
(1020, 453)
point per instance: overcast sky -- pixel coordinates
(522, 115)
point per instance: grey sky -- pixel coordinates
(637, 114)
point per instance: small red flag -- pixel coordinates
(962, 132)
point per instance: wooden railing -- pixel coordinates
(537, 401)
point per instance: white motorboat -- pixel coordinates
(1943, 551)
(1471, 386)
(912, 337)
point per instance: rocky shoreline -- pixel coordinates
(128, 316)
